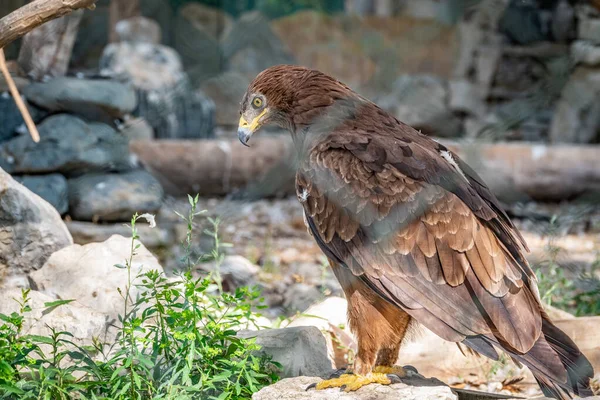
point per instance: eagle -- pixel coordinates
(411, 232)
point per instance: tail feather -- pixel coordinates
(556, 363)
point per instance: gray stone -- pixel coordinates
(226, 91)
(249, 54)
(137, 129)
(68, 145)
(12, 118)
(300, 296)
(113, 197)
(235, 271)
(89, 275)
(300, 350)
(89, 232)
(585, 52)
(421, 101)
(90, 97)
(30, 230)
(138, 29)
(295, 389)
(577, 115)
(51, 187)
(589, 29)
(166, 98)
(466, 97)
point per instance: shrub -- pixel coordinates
(177, 340)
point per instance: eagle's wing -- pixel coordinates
(423, 231)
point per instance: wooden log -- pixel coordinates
(514, 171)
(34, 14)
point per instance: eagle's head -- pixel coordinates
(288, 96)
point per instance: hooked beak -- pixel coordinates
(245, 129)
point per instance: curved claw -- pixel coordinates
(311, 386)
(394, 378)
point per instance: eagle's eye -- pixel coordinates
(257, 102)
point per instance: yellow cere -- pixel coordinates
(254, 124)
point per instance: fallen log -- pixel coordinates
(514, 171)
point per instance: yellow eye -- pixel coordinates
(257, 102)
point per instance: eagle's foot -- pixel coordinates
(394, 370)
(350, 383)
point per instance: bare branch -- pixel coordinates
(26, 18)
(17, 97)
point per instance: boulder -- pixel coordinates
(82, 322)
(319, 41)
(95, 98)
(166, 98)
(12, 118)
(68, 145)
(295, 389)
(137, 129)
(589, 29)
(235, 271)
(113, 197)
(30, 231)
(421, 101)
(300, 350)
(226, 91)
(585, 52)
(577, 115)
(51, 187)
(89, 232)
(197, 34)
(466, 97)
(138, 29)
(249, 54)
(300, 296)
(89, 275)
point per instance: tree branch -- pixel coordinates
(26, 18)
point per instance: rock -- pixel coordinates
(250, 54)
(51, 187)
(92, 37)
(196, 40)
(300, 350)
(90, 97)
(210, 20)
(226, 90)
(421, 102)
(300, 296)
(161, 12)
(88, 274)
(68, 145)
(563, 21)
(236, 271)
(166, 98)
(577, 115)
(523, 22)
(330, 317)
(12, 118)
(88, 232)
(30, 230)
(113, 197)
(320, 42)
(466, 97)
(295, 389)
(589, 29)
(138, 29)
(585, 52)
(137, 129)
(82, 322)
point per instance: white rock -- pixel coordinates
(295, 389)
(300, 350)
(585, 52)
(30, 231)
(82, 322)
(300, 296)
(88, 273)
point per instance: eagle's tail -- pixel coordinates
(555, 357)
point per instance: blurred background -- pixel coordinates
(137, 106)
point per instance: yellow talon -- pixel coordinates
(353, 382)
(396, 370)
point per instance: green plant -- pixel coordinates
(177, 340)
